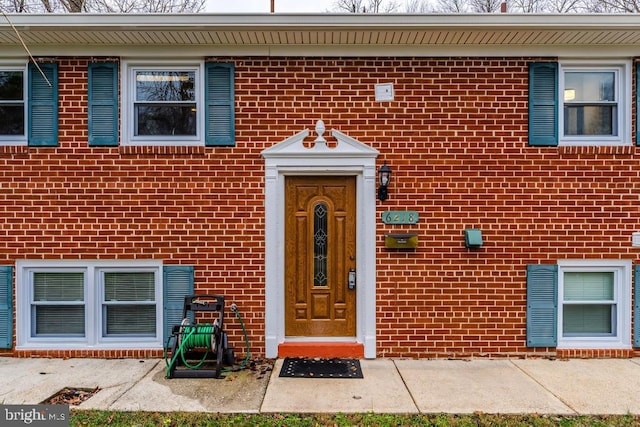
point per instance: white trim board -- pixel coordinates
(348, 157)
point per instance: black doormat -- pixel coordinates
(321, 368)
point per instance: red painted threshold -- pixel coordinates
(321, 349)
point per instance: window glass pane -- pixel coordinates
(165, 120)
(129, 286)
(165, 85)
(593, 86)
(320, 245)
(588, 286)
(590, 120)
(11, 103)
(58, 320)
(579, 320)
(48, 286)
(12, 122)
(138, 320)
(11, 86)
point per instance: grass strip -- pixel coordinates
(192, 419)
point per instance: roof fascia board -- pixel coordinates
(322, 21)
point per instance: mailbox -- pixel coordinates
(401, 241)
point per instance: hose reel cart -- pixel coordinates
(199, 350)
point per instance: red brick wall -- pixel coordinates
(456, 139)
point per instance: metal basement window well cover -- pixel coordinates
(321, 368)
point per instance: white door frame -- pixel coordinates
(348, 157)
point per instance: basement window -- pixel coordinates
(594, 304)
(89, 304)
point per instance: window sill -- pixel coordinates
(162, 150)
(613, 344)
(595, 150)
(14, 149)
(52, 345)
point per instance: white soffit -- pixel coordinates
(323, 34)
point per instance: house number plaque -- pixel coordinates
(400, 217)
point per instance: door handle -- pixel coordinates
(351, 281)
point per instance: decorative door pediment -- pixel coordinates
(294, 146)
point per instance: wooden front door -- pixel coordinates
(320, 232)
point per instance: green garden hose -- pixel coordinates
(196, 336)
(234, 308)
(202, 336)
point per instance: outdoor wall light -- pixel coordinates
(384, 177)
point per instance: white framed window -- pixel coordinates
(129, 302)
(164, 103)
(100, 304)
(594, 304)
(13, 104)
(57, 303)
(594, 103)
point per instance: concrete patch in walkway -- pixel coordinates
(490, 386)
(237, 392)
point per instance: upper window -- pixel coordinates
(590, 103)
(580, 103)
(165, 105)
(594, 304)
(594, 103)
(101, 304)
(13, 93)
(188, 103)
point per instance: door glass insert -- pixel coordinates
(320, 244)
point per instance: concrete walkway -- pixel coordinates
(517, 386)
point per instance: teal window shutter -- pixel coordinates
(636, 306)
(543, 104)
(6, 306)
(43, 105)
(542, 305)
(103, 104)
(220, 104)
(177, 284)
